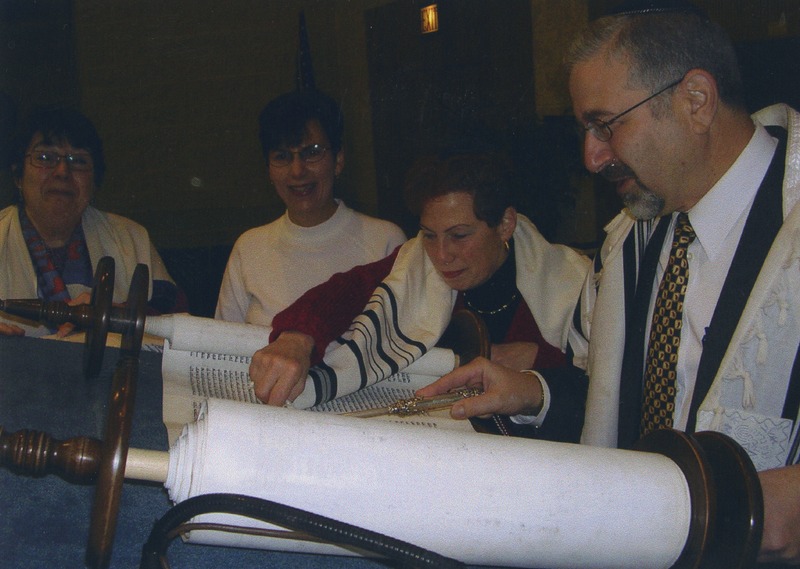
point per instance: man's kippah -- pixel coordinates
(639, 7)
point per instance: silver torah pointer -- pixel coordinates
(418, 405)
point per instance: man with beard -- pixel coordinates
(711, 210)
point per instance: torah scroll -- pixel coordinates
(194, 334)
(482, 499)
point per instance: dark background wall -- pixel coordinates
(443, 89)
(175, 88)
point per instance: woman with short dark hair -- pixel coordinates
(473, 251)
(53, 238)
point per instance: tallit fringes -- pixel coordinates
(740, 373)
(763, 344)
(716, 420)
(749, 392)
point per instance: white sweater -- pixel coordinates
(273, 265)
(106, 234)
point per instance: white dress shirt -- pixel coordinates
(718, 220)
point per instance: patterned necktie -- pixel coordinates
(665, 334)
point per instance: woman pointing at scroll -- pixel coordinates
(473, 251)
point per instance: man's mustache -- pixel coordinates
(616, 171)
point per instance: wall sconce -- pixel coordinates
(429, 19)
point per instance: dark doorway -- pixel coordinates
(469, 84)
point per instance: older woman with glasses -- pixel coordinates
(318, 235)
(52, 240)
(473, 251)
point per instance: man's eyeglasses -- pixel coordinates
(50, 160)
(308, 155)
(601, 129)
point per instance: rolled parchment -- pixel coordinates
(482, 499)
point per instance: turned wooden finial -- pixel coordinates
(51, 313)
(35, 453)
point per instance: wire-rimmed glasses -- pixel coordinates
(308, 155)
(48, 160)
(601, 129)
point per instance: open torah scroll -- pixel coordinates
(206, 358)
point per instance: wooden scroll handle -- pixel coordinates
(97, 318)
(467, 336)
(79, 459)
(35, 453)
(727, 506)
(739, 520)
(76, 460)
(100, 317)
(119, 421)
(111, 468)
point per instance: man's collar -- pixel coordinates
(732, 195)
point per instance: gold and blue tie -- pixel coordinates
(665, 334)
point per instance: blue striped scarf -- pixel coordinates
(57, 268)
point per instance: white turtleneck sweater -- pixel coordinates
(272, 265)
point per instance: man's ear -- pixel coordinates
(701, 98)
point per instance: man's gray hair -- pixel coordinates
(661, 48)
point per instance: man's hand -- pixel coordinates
(279, 370)
(505, 391)
(515, 355)
(781, 489)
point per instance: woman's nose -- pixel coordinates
(443, 251)
(297, 166)
(62, 168)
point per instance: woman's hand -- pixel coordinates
(67, 328)
(515, 355)
(10, 330)
(279, 370)
(505, 391)
(63, 330)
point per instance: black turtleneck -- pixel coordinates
(496, 300)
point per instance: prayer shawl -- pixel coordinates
(411, 308)
(747, 395)
(106, 234)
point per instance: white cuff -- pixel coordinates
(538, 419)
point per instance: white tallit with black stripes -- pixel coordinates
(411, 308)
(748, 391)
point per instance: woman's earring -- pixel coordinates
(505, 244)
